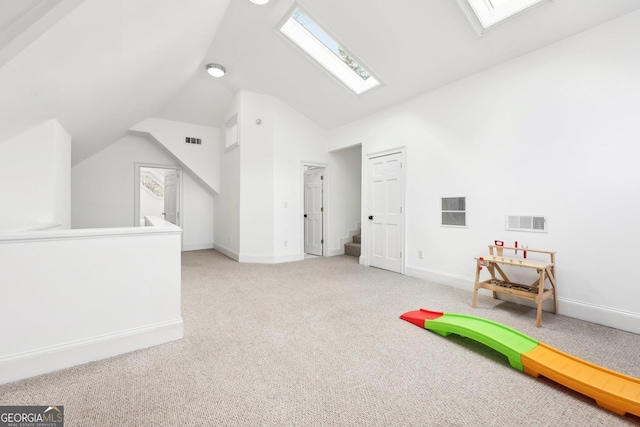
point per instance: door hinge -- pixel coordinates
(321, 209)
(400, 165)
(321, 177)
(400, 254)
(400, 209)
(322, 242)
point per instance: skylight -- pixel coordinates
(319, 45)
(484, 14)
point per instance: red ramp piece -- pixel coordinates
(612, 390)
(418, 317)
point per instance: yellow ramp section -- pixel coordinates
(611, 390)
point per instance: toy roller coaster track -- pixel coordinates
(612, 390)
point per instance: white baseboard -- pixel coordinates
(197, 247)
(614, 318)
(460, 282)
(227, 252)
(289, 258)
(270, 259)
(40, 361)
(257, 259)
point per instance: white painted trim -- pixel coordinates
(467, 284)
(136, 191)
(47, 359)
(614, 318)
(197, 247)
(87, 233)
(453, 280)
(226, 252)
(229, 124)
(268, 259)
(289, 258)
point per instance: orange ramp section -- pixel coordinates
(612, 390)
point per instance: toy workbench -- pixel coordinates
(501, 284)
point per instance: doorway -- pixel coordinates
(385, 217)
(313, 210)
(157, 193)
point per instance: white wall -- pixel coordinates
(150, 205)
(227, 202)
(256, 178)
(554, 132)
(35, 169)
(262, 187)
(63, 302)
(201, 160)
(103, 191)
(298, 141)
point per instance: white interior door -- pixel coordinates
(313, 209)
(385, 212)
(171, 197)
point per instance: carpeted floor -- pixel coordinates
(319, 342)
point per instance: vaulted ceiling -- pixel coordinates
(103, 66)
(100, 66)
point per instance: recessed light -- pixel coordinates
(259, 1)
(216, 70)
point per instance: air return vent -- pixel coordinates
(536, 223)
(191, 140)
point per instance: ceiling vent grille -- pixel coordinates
(536, 223)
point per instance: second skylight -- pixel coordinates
(319, 45)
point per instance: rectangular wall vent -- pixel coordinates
(537, 223)
(454, 211)
(191, 140)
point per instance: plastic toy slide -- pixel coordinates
(612, 390)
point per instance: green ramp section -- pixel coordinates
(505, 340)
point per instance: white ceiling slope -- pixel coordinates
(105, 66)
(109, 64)
(413, 46)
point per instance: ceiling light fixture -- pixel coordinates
(260, 2)
(216, 70)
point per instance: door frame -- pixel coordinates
(325, 198)
(136, 191)
(364, 225)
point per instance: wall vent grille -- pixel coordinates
(535, 223)
(454, 211)
(191, 140)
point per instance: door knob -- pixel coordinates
(305, 215)
(371, 217)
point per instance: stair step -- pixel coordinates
(352, 249)
(357, 238)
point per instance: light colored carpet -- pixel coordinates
(319, 342)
